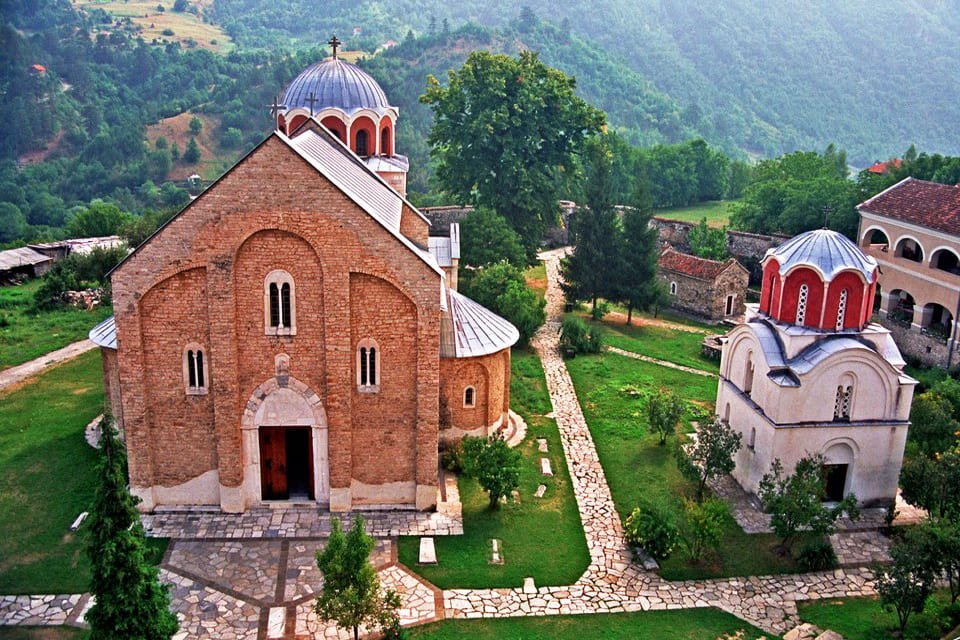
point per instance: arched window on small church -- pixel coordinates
(842, 308)
(752, 443)
(841, 405)
(748, 376)
(362, 143)
(385, 142)
(469, 397)
(673, 288)
(368, 366)
(279, 304)
(194, 370)
(802, 303)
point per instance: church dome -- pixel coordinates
(335, 84)
(826, 251)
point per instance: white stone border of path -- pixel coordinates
(662, 363)
(21, 372)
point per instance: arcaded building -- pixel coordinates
(294, 334)
(808, 373)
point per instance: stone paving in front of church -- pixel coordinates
(263, 585)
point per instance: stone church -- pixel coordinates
(294, 333)
(808, 373)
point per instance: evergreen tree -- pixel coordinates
(593, 268)
(636, 280)
(192, 153)
(131, 603)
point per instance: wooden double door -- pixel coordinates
(286, 463)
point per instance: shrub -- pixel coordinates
(664, 410)
(653, 528)
(817, 554)
(600, 309)
(167, 32)
(501, 288)
(451, 458)
(703, 526)
(75, 272)
(577, 337)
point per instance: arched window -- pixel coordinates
(469, 397)
(673, 288)
(279, 304)
(842, 308)
(748, 376)
(362, 143)
(368, 366)
(802, 303)
(194, 370)
(841, 406)
(753, 439)
(385, 142)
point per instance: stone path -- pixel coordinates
(662, 363)
(19, 373)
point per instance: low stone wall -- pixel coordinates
(920, 347)
(442, 217)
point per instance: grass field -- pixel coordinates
(542, 537)
(536, 277)
(717, 213)
(151, 23)
(692, 624)
(25, 335)
(213, 162)
(865, 619)
(47, 477)
(612, 391)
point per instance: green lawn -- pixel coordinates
(542, 537)
(717, 213)
(612, 392)
(536, 277)
(865, 619)
(25, 335)
(692, 624)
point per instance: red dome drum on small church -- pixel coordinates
(820, 280)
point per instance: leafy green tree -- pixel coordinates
(195, 126)
(494, 464)
(708, 242)
(180, 5)
(98, 219)
(637, 285)
(905, 585)
(933, 428)
(192, 153)
(653, 528)
(175, 152)
(711, 455)
(232, 138)
(501, 288)
(131, 602)
(795, 502)
(13, 224)
(351, 594)
(702, 526)
(933, 483)
(503, 128)
(487, 238)
(577, 337)
(664, 410)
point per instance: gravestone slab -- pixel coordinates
(277, 622)
(542, 489)
(76, 523)
(545, 467)
(496, 551)
(428, 552)
(529, 586)
(541, 445)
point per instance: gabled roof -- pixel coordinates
(22, 257)
(468, 329)
(881, 168)
(693, 266)
(925, 204)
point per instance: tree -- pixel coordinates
(351, 594)
(13, 224)
(195, 126)
(503, 129)
(180, 5)
(708, 242)
(175, 152)
(934, 545)
(637, 285)
(494, 464)
(98, 219)
(933, 483)
(231, 138)
(592, 270)
(795, 502)
(192, 153)
(905, 585)
(487, 237)
(664, 410)
(501, 288)
(702, 526)
(131, 602)
(653, 528)
(933, 428)
(711, 455)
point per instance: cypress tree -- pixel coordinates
(131, 603)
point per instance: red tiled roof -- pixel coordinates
(925, 204)
(881, 168)
(673, 260)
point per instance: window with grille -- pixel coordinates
(194, 370)
(368, 365)
(802, 303)
(841, 406)
(279, 304)
(842, 309)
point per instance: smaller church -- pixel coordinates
(808, 373)
(295, 334)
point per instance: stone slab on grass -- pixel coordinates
(428, 551)
(541, 490)
(529, 586)
(542, 445)
(545, 467)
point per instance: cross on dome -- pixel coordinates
(334, 42)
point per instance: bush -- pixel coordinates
(167, 32)
(600, 309)
(577, 337)
(494, 464)
(703, 526)
(76, 271)
(451, 458)
(817, 555)
(653, 528)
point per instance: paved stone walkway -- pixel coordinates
(19, 373)
(662, 363)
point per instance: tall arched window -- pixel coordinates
(279, 304)
(841, 405)
(752, 443)
(368, 366)
(469, 397)
(842, 308)
(194, 370)
(748, 376)
(802, 303)
(362, 143)
(385, 142)
(673, 288)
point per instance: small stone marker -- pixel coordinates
(545, 467)
(542, 489)
(529, 586)
(79, 521)
(516, 496)
(496, 556)
(277, 622)
(428, 552)
(542, 445)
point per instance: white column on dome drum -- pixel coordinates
(823, 302)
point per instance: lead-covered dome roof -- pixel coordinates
(826, 251)
(336, 84)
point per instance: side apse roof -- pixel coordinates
(104, 334)
(829, 252)
(468, 329)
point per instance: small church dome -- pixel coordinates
(826, 251)
(334, 83)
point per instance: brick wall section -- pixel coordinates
(209, 235)
(414, 227)
(490, 375)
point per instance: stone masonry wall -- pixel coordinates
(489, 375)
(693, 295)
